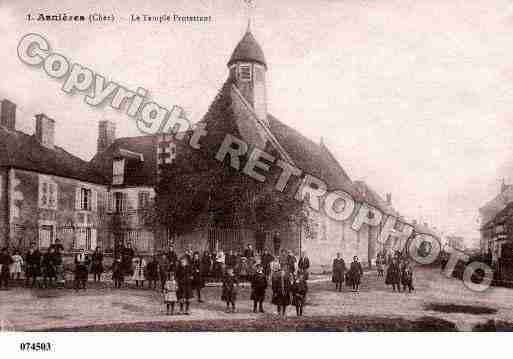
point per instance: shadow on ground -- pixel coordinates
(305, 324)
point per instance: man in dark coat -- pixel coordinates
(230, 259)
(393, 276)
(49, 268)
(291, 262)
(197, 275)
(339, 270)
(33, 265)
(97, 264)
(355, 273)
(164, 269)
(127, 258)
(184, 283)
(153, 272)
(258, 287)
(303, 265)
(266, 260)
(206, 265)
(81, 273)
(281, 290)
(172, 257)
(58, 250)
(5, 262)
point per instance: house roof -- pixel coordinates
(248, 50)
(138, 173)
(23, 151)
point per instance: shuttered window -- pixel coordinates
(245, 72)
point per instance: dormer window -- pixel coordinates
(245, 72)
(118, 171)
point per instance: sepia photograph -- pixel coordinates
(254, 166)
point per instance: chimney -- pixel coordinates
(8, 114)
(106, 135)
(389, 198)
(45, 130)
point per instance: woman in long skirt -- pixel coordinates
(355, 274)
(281, 290)
(339, 269)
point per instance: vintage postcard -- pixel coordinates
(255, 166)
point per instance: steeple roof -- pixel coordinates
(248, 50)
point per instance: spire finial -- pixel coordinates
(249, 10)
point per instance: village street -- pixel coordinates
(375, 307)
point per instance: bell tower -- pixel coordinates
(248, 68)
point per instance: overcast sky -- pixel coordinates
(414, 97)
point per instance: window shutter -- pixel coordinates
(110, 202)
(140, 200)
(78, 198)
(93, 238)
(124, 202)
(94, 200)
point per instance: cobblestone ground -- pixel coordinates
(40, 309)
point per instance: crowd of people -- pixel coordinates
(182, 277)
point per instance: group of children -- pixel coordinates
(288, 288)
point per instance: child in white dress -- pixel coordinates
(17, 265)
(170, 294)
(139, 271)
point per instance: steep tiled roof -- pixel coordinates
(311, 157)
(249, 50)
(23, 151)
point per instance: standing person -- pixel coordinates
(206, 265)
(281, 290)
(153, 272)
(229, 294)
(33, 265)
(97, 264)
(258, 287)
(170, 294)
(283, 259)
(17, 265)
(248, 252)
(164, 269)
(393, 276)
(118, 275)
(219, 265)
(197, 277)
(230, 260)
(299, 289)
(276, 243)
(291, 262)
(407, 276)
(58, 250)
(49, 268)
(5, 264)
(81, 274)
(266, 260)
(339, 272)
(139, 271)
(380, 265)
(172, 258)
(184, 283)
(303, 265)
(355, 273)
(127, 258)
